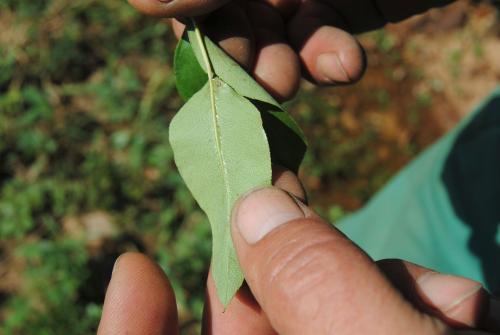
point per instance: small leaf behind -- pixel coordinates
(221, 153)
(287, 148)
(190, 76)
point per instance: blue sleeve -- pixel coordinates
(443, 210)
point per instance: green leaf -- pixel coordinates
(220, 144)
(221, 151)
(190, 76)
(286, 140)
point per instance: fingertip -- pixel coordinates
(329, 54)
(353, 59)
(289, 182)
(139, 299)
(277, 69)
(333, 56)
(460, 301)
(243, 316)
(345, 66)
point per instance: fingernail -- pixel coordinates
(446, 292)
(330, 68)
(263, 210)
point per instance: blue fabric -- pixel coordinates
(442, 211)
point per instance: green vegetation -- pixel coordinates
(86, 170)
(86, 98)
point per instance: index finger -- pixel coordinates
(139, 299)
(177, 8)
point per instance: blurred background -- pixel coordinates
(86, 171)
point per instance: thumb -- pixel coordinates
(310, 279)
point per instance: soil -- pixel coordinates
(424, 75)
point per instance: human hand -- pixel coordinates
(281, 40)
(304, 277)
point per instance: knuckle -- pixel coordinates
(307, 272)
(303, 263)
(300, 273)
(299, 268)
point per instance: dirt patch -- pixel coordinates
(458, 51)
(424, 76)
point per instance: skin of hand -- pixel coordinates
(279, 41)
(302, 277)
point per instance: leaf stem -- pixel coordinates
(204, 54)
(208, 66)
(211, 76)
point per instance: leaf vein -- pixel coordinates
(217, 132)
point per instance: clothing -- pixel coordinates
(443, 210)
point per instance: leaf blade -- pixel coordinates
(241, 161)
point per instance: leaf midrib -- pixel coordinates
(215, 120)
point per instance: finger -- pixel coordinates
(289, 182)
(277, 66)
(139, 299)
(244, 315)
(310, 279)
(459, 301)
(176, 8)
(230, 28)
(328, 53)
(178, 28)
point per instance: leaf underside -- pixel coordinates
(220, 144)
